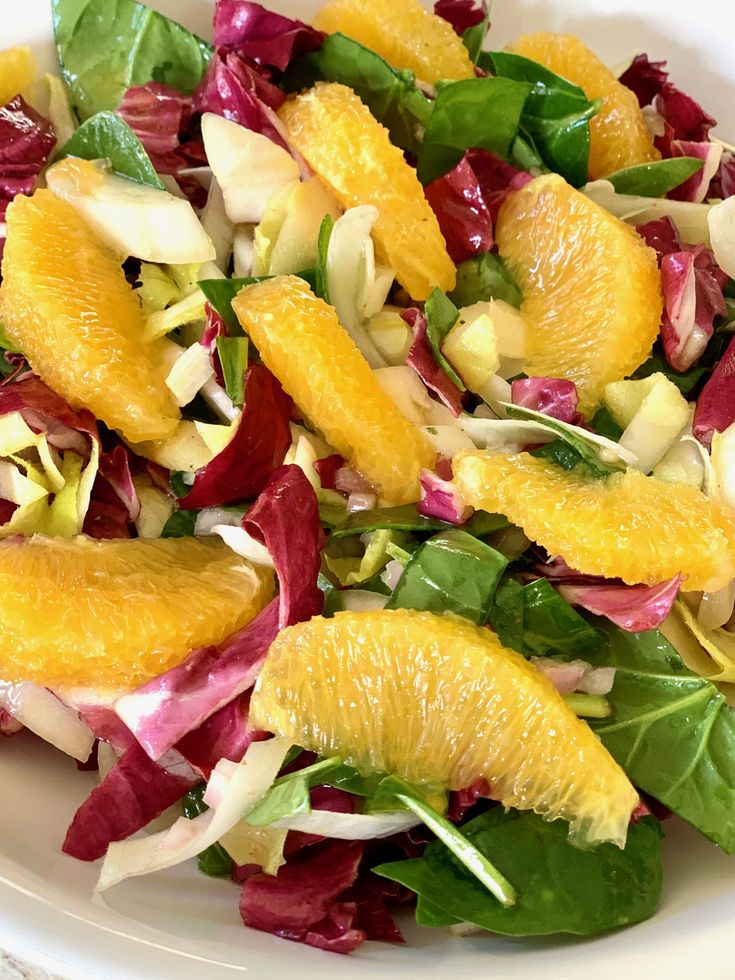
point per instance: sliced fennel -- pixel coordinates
(691, 220)
(46, 716)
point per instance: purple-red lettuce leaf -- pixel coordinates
(722, 184)
(696, 188)
(645, 78)
(496, 177)
(26, 142)
(441, 499)
(256, 450)
(715, 409)
(459, 205)
(224, 735)
(631, 607)
(461, 14)
(264, 36)
(555, 397)
(686, 117)
(421, 359)
(134, 792)
(160, 116)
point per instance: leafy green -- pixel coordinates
(551, 625)
(561, 888)
(441, 315)
(233, 357)
(321, 283)
(473, 112)
(560, 453)
(354, 569)
(107, 136)
(672, 731)
(588, 451)
(482, 524)
(555, 117)
(289, 794)
(179, 485)
(654, 179)
(605, 424)
(482, 278)
(506, 613)
(474, 37)
(221, 292)
(332, 515)
(687, 381)
(407, 518)
(461, 849)
(389, 93)
(451, 572)
(106, 46)
(214, 860)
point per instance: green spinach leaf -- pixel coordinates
(441, 315)
(672, 731)
(474, 37)
(654, 179)
(106, 46)
(221, 292)
(180, 524)
(551, 625)
(451, 572)
(555, 116)
(561, 888)
(587, 451)
(214, 860)
(474, 112)
(407, 518)
(321, 282)
(482, 278)
(107, 136)
(233, 358)
(561, 454)
(389, 93)
(506, 613)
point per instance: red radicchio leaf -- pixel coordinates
(696, 188)
(645, 78)
(684, 114)
(26, 141)
(459, 205)
(327, 469)
(321, 798)
(106, 726)
(115, 469)
(233, 88)
(165, 709)
(46, 412)
(555, 397)
(421, 359)
(224, 735)
(441, 499)
(461, 14)
(302, 902)
(496, 177)
(722, 184)
(215, 327)
(257, 448)
(132, 794)
(159, 115)
(263, 35)
(7, 509)
(715, 409)
(461, 800)
(692, 286)
(285, 518)
(631, 607)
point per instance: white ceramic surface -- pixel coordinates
(179, 924)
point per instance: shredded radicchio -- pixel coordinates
(263, 35)
(26, 142)
(421, 359)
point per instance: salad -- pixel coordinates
(367, 462)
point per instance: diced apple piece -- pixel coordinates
(248, 166)
(472, 350)
(132, 218)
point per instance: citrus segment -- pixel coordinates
(67, 305)
(591, 286)
(352, 153)
(618, 133)
(17, 72)
(302, 342)
(628, 526)
(439, 701)
(113, 614)
(403, 32)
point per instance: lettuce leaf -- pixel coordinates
(483, 278)
(106, 136)
(654, 179)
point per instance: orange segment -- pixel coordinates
(618, 133)
(17, 72)
(113, 614)
(629, 526)
(303, 343)
(403, 32)
(67, 305)
(591, 287)
(352, 153)
(440, 702)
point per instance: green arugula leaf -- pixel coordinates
(460, 848)
(473, 112)
(389, 93)
(221, 292)
(482, 278)
(107, 46)
(428, 914)
(441, 315)
(587, 450)
(321, 282)
(551, 625)
(654, 179)
(214, 860)
(107, 136)
(672, 731)
(555, 116)
(561, 888)
(233, 357)
(451, 572)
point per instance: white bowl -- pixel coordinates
(178, 923)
